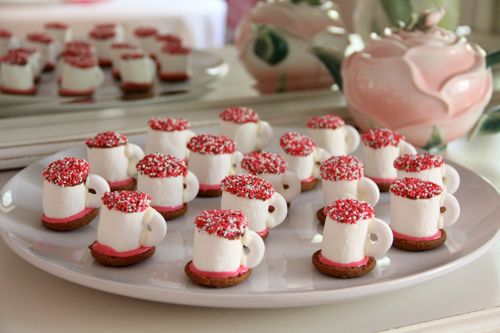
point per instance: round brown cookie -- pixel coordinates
(288, 204)
(309, 185)
(174, 214)
(209, 193)
(131, 89)
(411, 245)
(48, 68)
(384, 187)
(321, 215)
(126, 187)
(72, 225)
(120, 261)
(216, 282)
(343, 272)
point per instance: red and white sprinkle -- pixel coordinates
(248, 186)
(81, 61)
(102, 33)
(123, 46)
(381, 137)
(4, 33)
(127, 201)
(108, 139)
(26, 50)
(145, 31)
(132, 55)
(15, 59)
(297, 144)
(414, 188)
(349, 211)
(341, 168)
(56, 25)
(168, 38)
(40, 37)
(69, 171)
(175, 48)
(329, 121)
(418, 162)
(169, 124)
(225, 223)
(209, 144)
(257, 163)
(159, 165)
(239, 115)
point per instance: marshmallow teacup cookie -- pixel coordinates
(342, 178)
(348, 249)
(273, 168)
(80, 76)
(61, 33)
(117, 50)
(16, 75)
(67, 203)
(146, 37)
(430, 167)
(175, 62)
(332, 134)
(102, 39)
(379, 148)
(211, 158)
(420, 210)
(46, 45)
(169, 136)
(34, 59)
(169, 183)
(129, 229)
(7, 41)
(138, 72)
(244, 126)
(219, 256)
(113, 158)
(303, 157)
(256, 198)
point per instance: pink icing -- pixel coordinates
(109, 251)
(382, 180)
(329, 262)
(9, 90)
(308, 180)
(121, 182)
(208, 187)
(71, 218)
(218, 275)
(263, 233)
(165, 209)
(416, 239)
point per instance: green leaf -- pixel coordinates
(493, 58)
(332, 62)
(270, 46)
(489, 123)
(397, 11)
(435, 141)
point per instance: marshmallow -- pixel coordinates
(330, 133)
(117, 51)
(16, 76)
(34, 59)
(137, 69)
(168, 136)
(346, 236)
(44, 43)
(80, 76)
(117, 29)
(60, 32)
(102, 40)
(7, 41)
(174, 61)
(146, 37)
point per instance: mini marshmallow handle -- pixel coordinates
(383, 232)
(192, 187)
(291, 179)
(320, 155)
(451, 179)
(264, 134)
(451, 213)
(98, 76)
(352, 139)
(278, 215)
(154, 228)
(368, 191)
(134, 154)
(100, 186)
(256, 249)
(236, 159)
(406, 148)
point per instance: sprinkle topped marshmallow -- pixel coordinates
(169, 38)
(145, 31)
(108, 139)
(169, 124)
(239, 115)
(159, 165)
(418, 162)
(349, 211)
(81, 61)
(381, 137)
(414, 188)
(107, 25)
(174, 48)
(126, 201)
(341, 168)
(257, 163)
(69, 171)
(132, 55)
(209, 144)
(248, 186)
(328, 121)
(297, 144)
(56, 25)
(4, 33)
(225, 223)
(19, 59)
(40, 37)
(102, 33)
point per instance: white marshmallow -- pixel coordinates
(141, 71)
(81, 79)
(148, 44)
(378, 163)
(47, 52)
(129, 231)
(60, 202)
(17, 77)
(7, 43)
(172, 143)
(361, 189)
(248, 137)
(173, 63)
(103, 48)
(169, 191)
(342, 140)
(110, 163)
(60, 36)
(210, 169)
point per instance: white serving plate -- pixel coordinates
(285, 278)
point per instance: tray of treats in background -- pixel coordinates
(248, 215)
(105, 68)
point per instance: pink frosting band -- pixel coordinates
(329, 262)
(121, 182)
(206, 187)
(381, 180)
(8, 90)
(263, 232)
(218, 275)
(398, 235)
(109, 251)
(164, 209)
(308, 180)
(71, 218)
